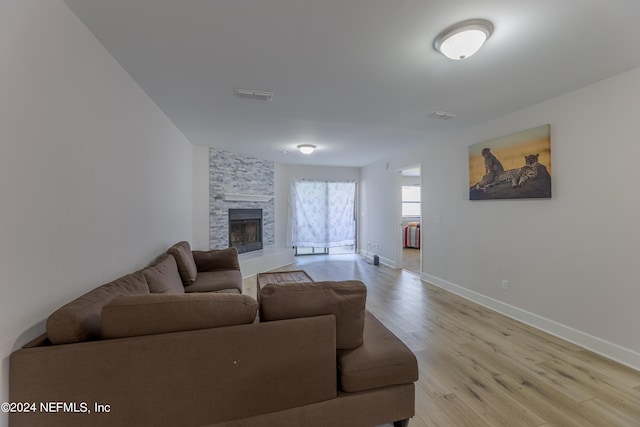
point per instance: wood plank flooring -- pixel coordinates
(411, 260)
(479, 368)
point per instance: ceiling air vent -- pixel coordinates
(444, 115)
(253, 94)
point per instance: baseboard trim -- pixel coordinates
(387, 262)
(383, 260)
(600, 346)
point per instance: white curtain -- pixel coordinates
(322, 213)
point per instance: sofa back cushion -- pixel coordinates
(217, 259)
(186, 265)
(345, 300)
(136, 315)
(163, 277)
(79, 320)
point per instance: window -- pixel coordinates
(410, 201)
(323, 213)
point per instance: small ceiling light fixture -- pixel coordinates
(306, 148)
(463, 39)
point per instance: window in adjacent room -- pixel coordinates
(411, 201)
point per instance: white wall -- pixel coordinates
(380, 200)
(201, 204)
(95, 181)
(572, 260)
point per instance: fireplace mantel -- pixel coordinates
(240, 197)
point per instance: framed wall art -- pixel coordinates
(516, 166)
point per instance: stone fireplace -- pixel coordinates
(245, 229)
(234, 175)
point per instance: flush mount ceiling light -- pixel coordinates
(306, 148)
(463, 39)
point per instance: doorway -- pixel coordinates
(410, 220)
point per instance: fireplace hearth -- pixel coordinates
(245, 229)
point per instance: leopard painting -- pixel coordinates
(491, 162)
(517, 176)
(528, 171)
(490, 180)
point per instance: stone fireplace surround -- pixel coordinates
(233, 174)
(236, 174)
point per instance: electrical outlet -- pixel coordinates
(505, 285)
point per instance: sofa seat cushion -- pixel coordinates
(137, 315)
(382, 360)
(163, 277)
(181, 251)
(344, 299)
(79, 320)
(214, 281)
(227, 291)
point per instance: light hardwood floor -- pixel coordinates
(411, 260)
(479, 368)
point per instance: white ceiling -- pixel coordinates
(357, 78)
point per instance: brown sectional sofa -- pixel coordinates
(152, 349)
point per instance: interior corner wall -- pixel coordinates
(571, 260)
(283, 173)
(201, 202)
(95, 180)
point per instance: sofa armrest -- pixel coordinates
(190, 378)
(216, 259)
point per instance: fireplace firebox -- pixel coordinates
(245, 229)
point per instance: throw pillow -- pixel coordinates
(186, 265)
(163, 277)
(217, 259)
